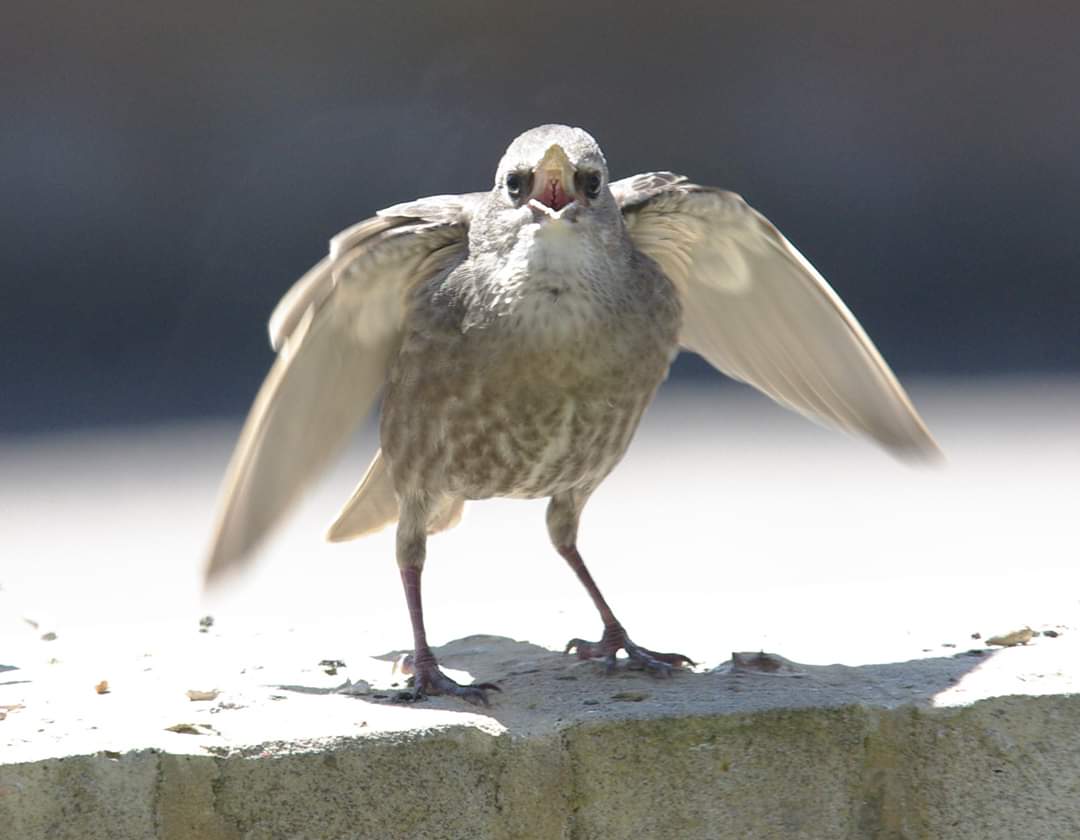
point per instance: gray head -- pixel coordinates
(553, 165)
(550, 174)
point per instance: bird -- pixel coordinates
(516, 336)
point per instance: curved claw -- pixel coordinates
(641, 659)
(614, 640)
(429, 680)
(661, 664)
(583, 649)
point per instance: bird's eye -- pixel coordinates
(592, 182)
(514, 183)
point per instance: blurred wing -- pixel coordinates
(335, 332)
(755, 308)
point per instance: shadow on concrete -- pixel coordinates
(541, 686)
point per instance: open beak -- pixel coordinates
(553, 180)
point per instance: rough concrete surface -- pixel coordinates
(569, 752)
(788, 539)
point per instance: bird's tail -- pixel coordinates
(374, 505)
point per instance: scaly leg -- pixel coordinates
(427, 677)
(563, 515)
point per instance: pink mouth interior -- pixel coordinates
(553, 195)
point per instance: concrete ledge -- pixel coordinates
(757, 750)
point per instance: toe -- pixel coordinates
(675, 660)
(657, 664)
(408, 696)
(431, 681)
(641, 662)
(583, 649)
(476, 693)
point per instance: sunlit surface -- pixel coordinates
(731, 525)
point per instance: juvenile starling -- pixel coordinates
(517, 335)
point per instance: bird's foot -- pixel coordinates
(614, 640)
(428, 680)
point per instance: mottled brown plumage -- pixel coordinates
(509, 408)
(519, 335)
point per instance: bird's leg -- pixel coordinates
(563, 514)
(614, 638)
(427, 677)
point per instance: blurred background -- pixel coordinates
(168, 170)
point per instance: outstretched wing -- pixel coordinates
(755, 308)
(335, 332)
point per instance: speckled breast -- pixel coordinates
(480, 416)
(540, 427)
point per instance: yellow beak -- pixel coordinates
(553, 179)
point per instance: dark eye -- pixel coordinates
(592, 182)
(514, 184)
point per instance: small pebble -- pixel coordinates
(330, 666)
(1016, 637)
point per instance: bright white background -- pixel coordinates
(731, 525)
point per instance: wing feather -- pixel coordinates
(757, 310)
(335, 332)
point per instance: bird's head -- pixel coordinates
(554, 170)
(551, 175)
